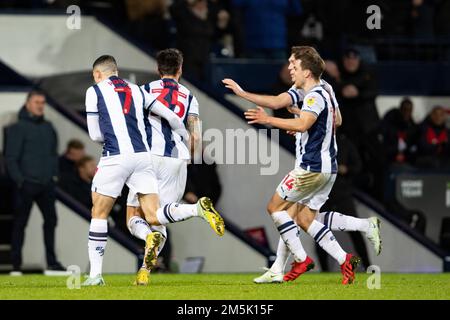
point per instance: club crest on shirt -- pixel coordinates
(310, 101)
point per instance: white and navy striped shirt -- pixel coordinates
(119, 106)
(161, 139)
(297, 95)
(316, 149)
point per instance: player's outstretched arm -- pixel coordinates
(301, 124)
(280, 101)
(338, 118)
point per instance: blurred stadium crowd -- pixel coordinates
(261, 28)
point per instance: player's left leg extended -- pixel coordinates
(176, 212)
(172, 212)
(340, 222)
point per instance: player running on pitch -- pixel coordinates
(115, 116)
(169, 154)
(311, 182)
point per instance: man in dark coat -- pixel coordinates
(32, 163)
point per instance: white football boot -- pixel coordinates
(269, 277)
(373, 234)
(95, 281)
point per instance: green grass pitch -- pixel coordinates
(230, 286)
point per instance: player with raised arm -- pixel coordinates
(293, 100)
(115, 116)
(169, 154)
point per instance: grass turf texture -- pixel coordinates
(230, 286)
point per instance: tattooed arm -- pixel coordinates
(194, 129)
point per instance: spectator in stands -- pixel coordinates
(149, 21)
(400, 134)
(79, 185)
(356, 89)
(32, 163)
(195, 31)
(283, 84)
(264, 26)
(400, 140)
(224, 28)
(434, 147)
(442, 18)
(74, 153)
(355, 86)
(341, 198)
(422, 15)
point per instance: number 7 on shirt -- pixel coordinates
(127, 102)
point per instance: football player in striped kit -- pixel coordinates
(170, 154)
(115, 116)
(306, 188)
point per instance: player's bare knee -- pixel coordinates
(132, 212)
(303, 221)
(152, 220)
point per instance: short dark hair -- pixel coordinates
(106, 60)
(169, 61)
(35, 92)
(75, 144)
(80, 163)
(310, 60)
(406, 101)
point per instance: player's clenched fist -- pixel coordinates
(257, 115)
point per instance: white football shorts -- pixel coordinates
(308, 188)
(171, 174)
(135, 170)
